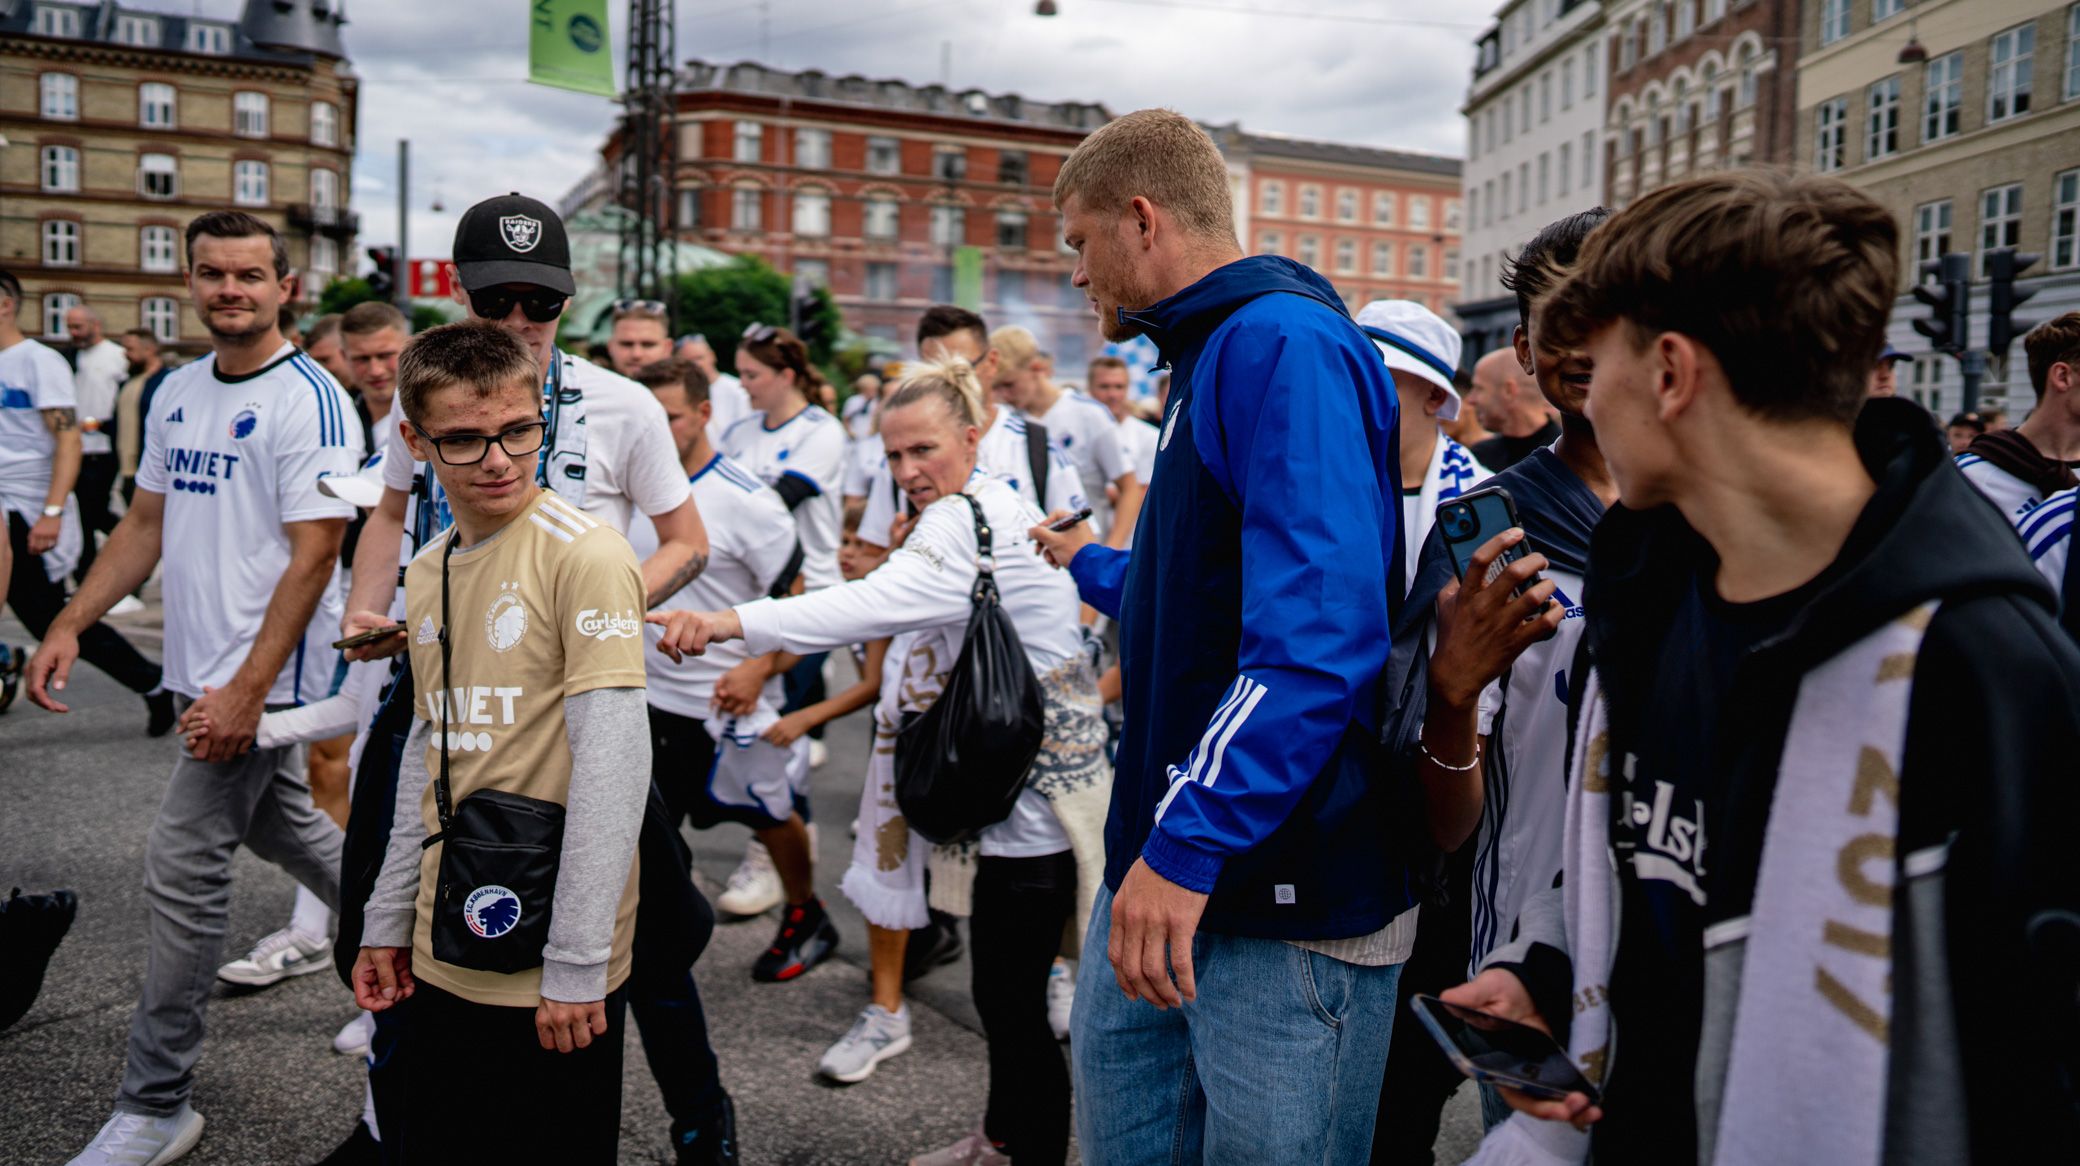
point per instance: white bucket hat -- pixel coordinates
(1415, 340)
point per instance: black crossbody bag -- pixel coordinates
(499, 856)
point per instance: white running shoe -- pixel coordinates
(1061, 997)
(355, 1035)
(136, 1139)
(818, 753)
(127, 605)
(285, 953)
(875, 1036)
(754, 887)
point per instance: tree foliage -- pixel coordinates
(720, 302)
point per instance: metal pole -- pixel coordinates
(401, 277)
(1974, 364)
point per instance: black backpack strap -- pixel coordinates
(784, 582)
(1036, 457)
(794, 490)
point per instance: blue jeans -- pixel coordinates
(1279, 1059)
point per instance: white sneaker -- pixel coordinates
(754, 887)
(355, 1035)
(973, 1150)
(1061, 997)
(875, 1036)
(818, 753)
(127, 605)
(136, 1139)
(285, 953)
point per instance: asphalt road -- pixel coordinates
(77, 794)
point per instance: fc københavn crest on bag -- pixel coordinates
(521, 233)
(491, 911)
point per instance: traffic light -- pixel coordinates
(2001, 325)
(383, 280)
(1948, 327)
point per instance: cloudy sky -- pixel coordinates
(449, 75)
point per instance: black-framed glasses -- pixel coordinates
(760, 333)
(647, 307)
(541, 304)
(467, 449)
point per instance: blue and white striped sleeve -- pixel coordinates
(319, 438)
(2047, 533)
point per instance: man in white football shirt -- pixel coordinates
(725, 392)
(639, 338)
(98, 375)
(1110, 384)
(2019, 468)
(228, 506)
(1083, 429)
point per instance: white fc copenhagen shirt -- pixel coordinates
(751, 538)
(1137, 438)
(2015, 497)
(102, 370)
(1002, 453)
(33, 377)
(2047, 533)
(804, 452)
(237, 458)
(1087, 435)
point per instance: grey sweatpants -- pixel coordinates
(262, 800)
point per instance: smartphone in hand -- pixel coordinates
(1472, 519)
(1502, 1052)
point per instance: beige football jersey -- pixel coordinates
(549, 607)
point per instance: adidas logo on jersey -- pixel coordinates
(426, 633)
(175, 417)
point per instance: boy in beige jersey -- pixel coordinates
(542, 697)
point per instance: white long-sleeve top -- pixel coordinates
(924, 587)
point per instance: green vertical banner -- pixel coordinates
(967, 277)
(567, 46)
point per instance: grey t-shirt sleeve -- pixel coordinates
(387, 921)
(609, 731)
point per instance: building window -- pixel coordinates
(1588, 157)
(1346, 205)
(881, 282)
(158, 176)
(1943, 82)
(1310, 202)
(2073, 52)
(1013, 168)
(949, 225)
(689, 218)
(1011, 288)
(1881, 125)
(155, 249)
(1504, 211)
(60, 96)
(1310, 250)
(1270, 243)
(1828, 151)
(1383, 208)
(162, 315)
(1657, 29)
(942, 283)
(1566, 167)
(1523, 196)
(249, 183)
(2065, 221)
(1545, 97)
(155, 105)
(249, 114)
(1418, 262)
(812, 149)
(57, 20)
(55, 305)
(884, 156)
(2008, 85)
(1473, 205)
(1545, 171)
(812, 213)
(1931, 230)
(1567, 84)
(750, 142)
(1451, 264)
(1273, 196)
(950, 165)
(1589, 69)
(814, 272)
(1383, 260)
(747, 209)
(1886, 9)
(209, 38)
(61, 169)
(883, 217)
(1834, 20)
(1473, 138)
(1686, 18)
(324, 255)
(324, 124)
(1011, 230)
(1346, 257)
(137, 31)
(325, 190)
(2000, 220)
(1488, 196)
(1713, 10)
(1454, 214)
(1418, 212)
(60, 243)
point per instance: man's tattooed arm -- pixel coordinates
(680, 578)
(61, 420)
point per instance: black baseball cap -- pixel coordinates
(513, 239)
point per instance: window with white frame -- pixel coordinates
(1829, 135)
(57, 20)
(60, 243)
(949, 225)
(1657, 31)
(1589, 68)
(324, 255)
(161, 314)
(325, 191)
(1503, 211)
(884, 156)
(1545, 176)
(1383, 208)
(949, 163)
(2072, 87)
(1310, 202)
(61, 169)
(1588, 157)
(2008, 79)
(324, 124)
(1273, 196)
(1419, 212)
(881, 282)
(1014, 167)
(814, 272)
(1270, 243)
(2000, 220)
(812, 213)
(1523, 194)
(1931, 230)
(1346, 205)
(155, 105)
(209, 38)
(1566, 167)
(1886, 9)
(689, 218)
(750, 141)
(249, 114)
(1473, 138)
(158, 176)
(249, 183)
(137, 31)
(2065, 221)
(1881, 120)
(812, 149)
(156, 249)
(1383, 260)
(1451, 264)
(1834, 20)
(1686, 18)
(55, 305)
(1454, 215)
(747, 209)
(1011, 229)
(1310, 250)
(1713, 10)
(1545, 97)
(1942, 87)
(882, 218)
(60, 96)
(1418, 262)
(1473, 204)
(1488, 195)
(1346, 256)
(1567, 84)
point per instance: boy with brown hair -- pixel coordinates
(2020, 468)
(1775, 887)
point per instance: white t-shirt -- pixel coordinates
(2047, 533)
(924, 587)
(100, 374)
(33, 377)
(630, 462)
(858, 415)
(2015, 497)
(1001, 453)
(751, 537)
(728, 404)
(237, 458)
(808, 447)
(1137, 438)
(1087, 435)
(865, 459)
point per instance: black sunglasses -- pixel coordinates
(648, 307)
(760, 333)
(467, 449)
(496, 303)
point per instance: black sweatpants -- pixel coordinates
(37, 601)
(95, 488)
(1419, 1081)
(482, 1088)
(1021, 907)
(673, 924)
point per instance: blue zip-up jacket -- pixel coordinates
(1254, 613)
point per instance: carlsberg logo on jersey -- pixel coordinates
(609, 625)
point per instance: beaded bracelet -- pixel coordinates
(1434, 759)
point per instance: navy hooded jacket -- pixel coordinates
(1254, 613)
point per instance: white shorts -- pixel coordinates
(752, 776)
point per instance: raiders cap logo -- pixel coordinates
(521, 232)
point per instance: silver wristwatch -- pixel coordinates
(54, 512)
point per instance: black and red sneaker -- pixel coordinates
(806, 937)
